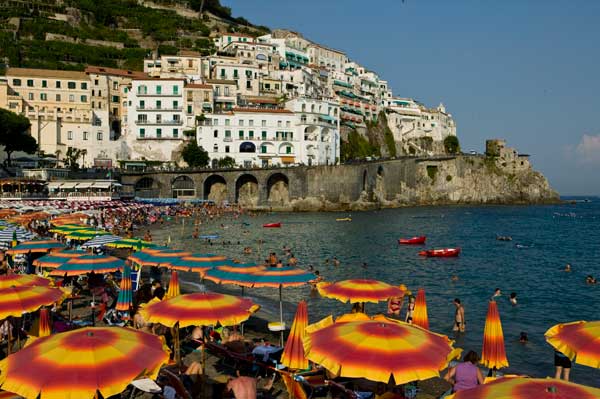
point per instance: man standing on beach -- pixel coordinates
(459, 316)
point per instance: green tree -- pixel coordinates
(452, 145)
(194, 155)
(72, 157)
(13, 134)
(227, 162)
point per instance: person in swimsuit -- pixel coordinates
(459, 316)
(563, 366)
(410, 309)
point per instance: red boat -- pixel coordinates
(278, 224)
(413, 241)
(441, 253)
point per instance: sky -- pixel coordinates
(526, 71)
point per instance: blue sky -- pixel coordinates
(526, 71)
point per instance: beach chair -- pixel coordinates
(346, 393)
(305, 385)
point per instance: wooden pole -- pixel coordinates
(8, 346)
(176, 344)
(281, 314)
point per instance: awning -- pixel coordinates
(68, 185)
(327, 118)
(102, 184)
(287, 159)
(343, 84)
(84, 185)
(54, 185)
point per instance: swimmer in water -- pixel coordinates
(336, 261)
(454, 278)
(568, 268)
(513, 298)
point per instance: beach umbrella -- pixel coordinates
(35, 246)
(14, 301)
(5, 213)
(101, 241)
(84, 235)
(134, 243)
(578, 340)
(72, 218)
(88, 264)
(420, 312)
(17, 280)
(528, 388)
(12, 235)
(44, 328)
(199, 262)
(158, 257)
(124, 299)
(55, 259)
(82, 363)
(173, 289)
(293, 352)
(359, 290)
(378, 349)
(9, 395)
(493, 354)
(66, 228)
(243, 275)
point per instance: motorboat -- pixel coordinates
(441, 253)
(419, 240)
(271, 225)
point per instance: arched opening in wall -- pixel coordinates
(246, 190)
(278, 192)
(311, 133)
(146, 187)
(364, 180)
(380, 171)
(247, 146)
(215, 188)
(183, 186)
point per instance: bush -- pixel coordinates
(432, 171)
(451, 145)
(357, 147)
(194, 155)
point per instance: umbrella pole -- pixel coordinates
(281, 315)
(9, 336)
(175, 332)
(242, 323)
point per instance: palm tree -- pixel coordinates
(83, 153)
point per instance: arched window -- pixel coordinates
(246, 146)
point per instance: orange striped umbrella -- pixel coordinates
(493, 354)
(200, 308)
(579, 340)
(174, 289)
(14, 301)
(81, 363)
(528, 388)
(359, 290)
(293, 353)
(5, 213)
(16, 280)
(44, 323)
(35, 246)
(56, 259)
(378, 349)
(420, 313)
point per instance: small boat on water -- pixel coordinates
(271, 225)
(343, 219)
(441, 253)
(418, 240)
(504, 238)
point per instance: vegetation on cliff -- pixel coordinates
(357, 147)
(194, 155)
(452, 145)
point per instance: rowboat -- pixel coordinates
(441, 253)
(278, 224)
(413, 241)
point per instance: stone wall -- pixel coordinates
(463, 179)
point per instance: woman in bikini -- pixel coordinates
(410, 309)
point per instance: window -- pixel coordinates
(159, 89)
(264, 135)
(264, 123)
(85, 135)
(251, 134)
(175, 133)
(303, 107)
(190, 63)
(83, 99)
(142, 118)
(83, 85)
(291, 135)
(227, 134)
(142, 133)
(175, 104)
(58, 98)
(216, 133)
(241, 122)
(216, 148)
(16, 82)
(158, 133)
(44, 83)
(263, 149)
(251, 122)
(189, 109)
(241, 134)
(29, 82)
(312, 108)
(71, 85)
(71, 98)
(226, 91)
(226, 122)
(206, 96)
(142, 89)
(158, 104)
(158, 118)
(287, 123)
(30, 96)
(248, 84)
(288, 149)
(176, 117)
(43, 96)
(175, 90)
(115, 99)
(142, 104)
(217, 91)
(226, 148)
(99, 136)
(235, 74)
(58, 84)
(278, 123)
(222, 73)
(69, 135)
(115, 85)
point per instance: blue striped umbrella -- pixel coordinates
(199, 262)
(56, 259)
(35, 246)
(88, 264)
(100, 241)
(6, 235)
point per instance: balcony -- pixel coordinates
(159, 94)
(177, 122)
(227, 139)
(165, 109)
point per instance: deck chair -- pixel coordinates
(348, 393)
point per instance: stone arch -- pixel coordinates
(147, 187)
(215, 188)
(183, 186)
(278, 192)
(246, 190)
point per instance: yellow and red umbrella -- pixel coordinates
(493, 354)
(17, 280)
(9, 395)
(378, 350)
(528, 388)
(359, 290)
(81, 363)
(579, 340)
(44, 328)
(157, 257)
(35, 246)
(420, 317)
(201, 308)
(14, 301)
(88, 264)
(173, 289)
(293, 353)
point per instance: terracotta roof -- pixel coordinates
(158, 79)
(262, 100)
(198, 86)
(221, 81)
(189, 53)
(116, 72)
(263, 110)
(46, 73)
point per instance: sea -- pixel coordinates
(544, 239)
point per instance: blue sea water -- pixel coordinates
(549, 237)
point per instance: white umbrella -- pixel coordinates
(100, 241)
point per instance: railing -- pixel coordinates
(227, 139)
(165, 122)
(158, 108)
(159, 94)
